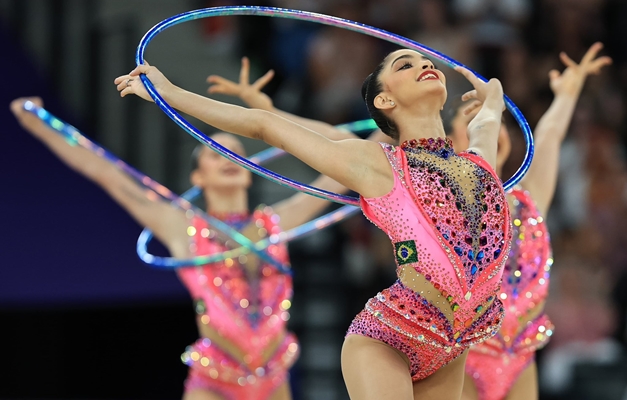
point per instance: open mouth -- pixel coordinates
(427, 76)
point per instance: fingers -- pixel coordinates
(554, 74)
(222, 85)
(141, 69)
(469, 95)
(244, 72)
(472, 107)
(263, 81)
(567, 61)
(467, 74)
(596, 66)
(124, 83)
(592, 53)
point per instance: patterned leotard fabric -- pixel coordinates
(496, 364)
(448, 221)
(248, 309)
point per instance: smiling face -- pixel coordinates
(214, 172)
(409, 78)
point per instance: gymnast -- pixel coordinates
(446, 216)
(503, 367)
(242, 305)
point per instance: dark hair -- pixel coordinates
(369, 91)
(196, 155)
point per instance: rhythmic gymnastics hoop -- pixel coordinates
(298, 232)
(321, 19)
(74, 137)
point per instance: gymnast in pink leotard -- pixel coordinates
(503, 367)
(244, 351)
(450, 233)
(242, 305)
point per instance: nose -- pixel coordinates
(427, 64)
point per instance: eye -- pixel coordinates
(406, 65)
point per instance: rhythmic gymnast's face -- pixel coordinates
(214, 172)
(409, 79)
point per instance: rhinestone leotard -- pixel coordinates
(496, 364)
(448, 221)
(247, 308)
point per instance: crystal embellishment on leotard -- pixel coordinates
(200, 307)
(444, 205)
(440, 146)
(406, 252)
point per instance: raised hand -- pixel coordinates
(484, 91)
(132, 84)
(251, 94)
(570, 82)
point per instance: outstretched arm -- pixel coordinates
(357, 164)
(483, 130)
(541, 179)
(167, 223)
(252, 95)
(299, 208)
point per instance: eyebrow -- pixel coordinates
(407, 56)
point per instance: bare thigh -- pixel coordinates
(526, 386)
(374, 370)
(445, 383)
(470, 389)
(200, 394)
(282, 393)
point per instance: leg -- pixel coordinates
(373, 370)
(201, 394)
(526, 386)
(445, 383)
(470, 389)
(282, 392)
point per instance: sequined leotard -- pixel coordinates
(448, 221)
(245, 350)
(495, 364)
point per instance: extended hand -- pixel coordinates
(132, 84)
(574, 76)
(490, 91)
(250, 94)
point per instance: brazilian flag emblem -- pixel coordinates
(406, 252)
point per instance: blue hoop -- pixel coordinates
(325, 20)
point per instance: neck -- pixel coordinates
(420, 126)
(226, 201)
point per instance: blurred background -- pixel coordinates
(83, 318)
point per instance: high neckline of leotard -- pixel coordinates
(429, 144)
(232, 218)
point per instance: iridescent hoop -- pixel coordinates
(260, 158)
(74, 137)
(321, 19)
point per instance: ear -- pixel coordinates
(383, 102)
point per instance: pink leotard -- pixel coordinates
(448, 220)
(248, 309)
(495, 364)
